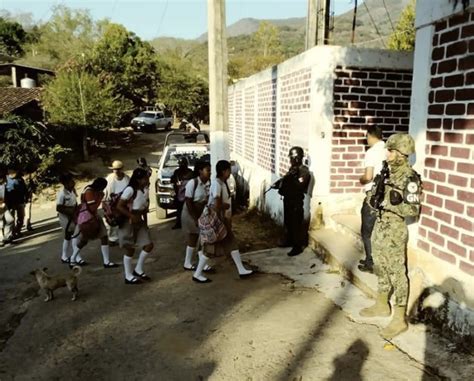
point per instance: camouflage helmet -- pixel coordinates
(403, 143)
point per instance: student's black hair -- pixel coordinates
(142, 161)
(199, 166)
(64, 178)
(138, 174)
(98, 184)
(375, 131)
(221, 166)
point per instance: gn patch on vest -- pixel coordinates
(412, 193)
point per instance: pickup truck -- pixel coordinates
(152, 121)
(197, 150)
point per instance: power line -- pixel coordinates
(113, 9)
(162, 18)
(388, 15)
(373, 23)
(382, 37)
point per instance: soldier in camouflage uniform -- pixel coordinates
(401, 199)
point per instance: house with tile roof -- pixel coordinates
(23, 98)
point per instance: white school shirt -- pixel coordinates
(114, 185)
(66, 198)
(219, 189)
(202, 190)
(374, 157)
(141, 200)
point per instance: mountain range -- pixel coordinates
(375, 22)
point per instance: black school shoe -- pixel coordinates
(295, 251)
(141, 276)
(110, 265)
(133, 281)
(366, 268)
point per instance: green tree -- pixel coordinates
(67, 35)
(403, 38)
(267, 39)
(28, 146)
(80, 101)
(12, 38)
(183, 91)
(127, 63)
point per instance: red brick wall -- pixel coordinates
(266, 120)
(295, 97)
(249, 142)
(447, 222)
(364, 97)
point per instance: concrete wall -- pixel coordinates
(442, 121)
(322, 100)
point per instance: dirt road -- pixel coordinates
(262, 328)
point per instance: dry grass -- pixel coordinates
(256, 231)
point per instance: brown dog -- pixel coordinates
(51, 283)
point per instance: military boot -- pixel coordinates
(381, 308)
(398, 324)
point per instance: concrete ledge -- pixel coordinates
(340, 247)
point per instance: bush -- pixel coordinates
(28, 147)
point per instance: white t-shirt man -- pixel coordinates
(141, 200)
(114, 185)
(374, 158)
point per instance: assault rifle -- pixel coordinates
(277, 184)
(379, 192)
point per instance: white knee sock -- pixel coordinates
(64, 254)
(238, 262)
(105, 253)
(141, 261)
(78, 257)
(127, 267)
(206, 267)
(202, 262)
(75, 257)
(189, 256)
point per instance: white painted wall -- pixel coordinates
(322, 60)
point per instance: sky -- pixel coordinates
(175, 18)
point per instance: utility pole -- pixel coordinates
(354, 20)
(311, 24)
(323, 21)
(218, 108)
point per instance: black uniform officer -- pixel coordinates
(293, 187)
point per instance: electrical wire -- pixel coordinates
(162, 18)
(375, 25)
(112, 12)
(388, 15)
